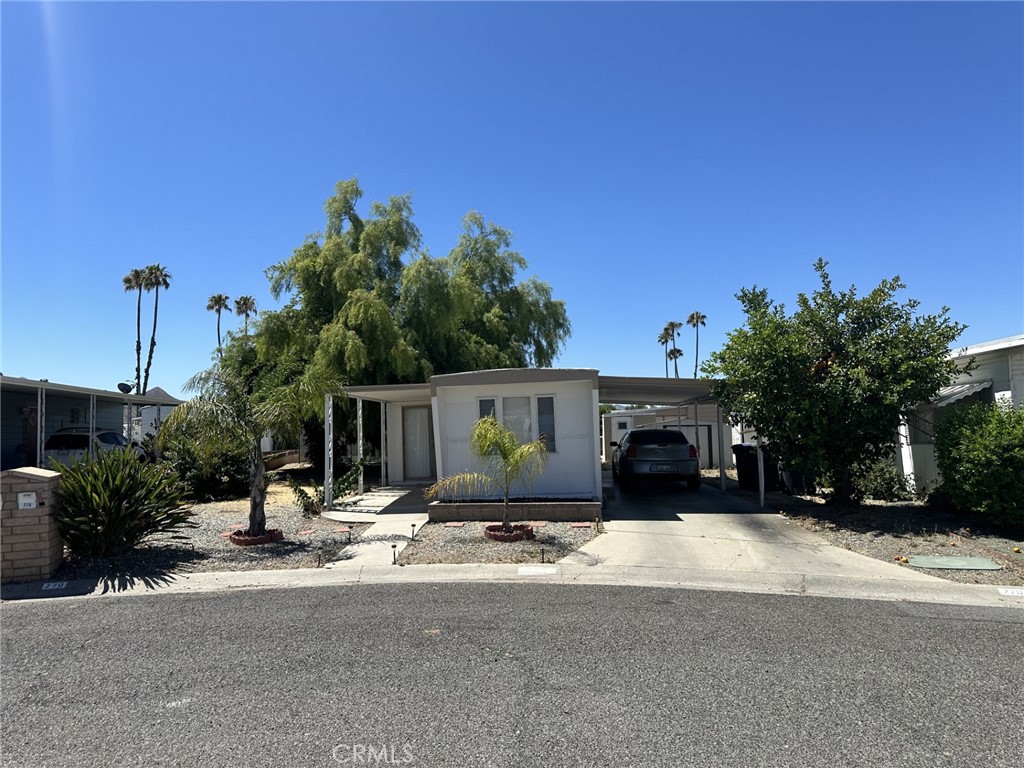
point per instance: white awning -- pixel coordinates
(956, 392)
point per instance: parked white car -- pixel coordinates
(67, 445)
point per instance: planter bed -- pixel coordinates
(554, 510)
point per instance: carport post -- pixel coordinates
(721, 448)
(359, 440)
(383, 445)
(92, 426)
(40, 424)
(696, 429)
(328, 451)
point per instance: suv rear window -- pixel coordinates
(657, 437)
(112, 438)
(67, 443)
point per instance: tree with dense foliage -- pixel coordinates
(218, 302)
(369, 307)
(979, 450)
(155, 277)
(245, 306)
(135, 280)
(828, 385)
(234, 408)
(695, 321)
(505, 463)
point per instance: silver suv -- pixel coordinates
(68, 445)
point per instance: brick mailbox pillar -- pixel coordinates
(30, 546)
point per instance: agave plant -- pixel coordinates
(111, 503)
(504, 463)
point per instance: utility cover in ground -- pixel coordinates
(955, 563)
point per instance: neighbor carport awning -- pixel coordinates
(643, 390)
(956, 392)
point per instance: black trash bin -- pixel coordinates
(746, 468)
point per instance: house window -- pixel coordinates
(75, 415)
(487, 407)
(515, 412)
(546, 421)
(623, 425)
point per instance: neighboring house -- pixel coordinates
(999, 377)
(712, 429)
(31, 410)
(150, 417)
(426, 427)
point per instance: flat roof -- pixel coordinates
(18, 384)
(640, 390)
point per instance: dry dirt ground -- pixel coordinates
(888, 531)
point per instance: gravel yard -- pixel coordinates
(437, 544)
(308, 542)
(886, 531)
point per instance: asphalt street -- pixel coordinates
(508, 675)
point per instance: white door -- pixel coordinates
(417, 442)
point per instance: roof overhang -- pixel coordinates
(391, 393)
(32, 386)
(951, 394)
(643, 390)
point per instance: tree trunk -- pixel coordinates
(257, 494)
(506, 520)
(696, 350)
(219, 352)
(138, 344)
(152, 340)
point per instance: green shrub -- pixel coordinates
(881, 480)
(108, 505)
(979, 450)
(220, 472)
(312, 504)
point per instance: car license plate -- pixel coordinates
(663, 467)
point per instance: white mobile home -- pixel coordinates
(425, 427)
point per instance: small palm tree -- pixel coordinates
(156, 277)
(695, 321)
(228, 410)
(218, 303)
(663, 339)
(136, 281)
(505, 463)
(674, 354)
(245, 305)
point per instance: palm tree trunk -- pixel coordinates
(675, 360)
(152, 340)
(138, 344)
(696, 349)
(506, 520)
(257, 493)
(666, 359)
(219, 352)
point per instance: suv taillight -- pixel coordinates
(631, 452)
(693, 451)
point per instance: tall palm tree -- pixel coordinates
(674, 354)
(672, 329)
(156, 277)
(663, 340)
(695, 321)
(245, 305)
(218, 303)
(227, 410)
(135, 281)
(505, 462)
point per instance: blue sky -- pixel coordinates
(650, 159)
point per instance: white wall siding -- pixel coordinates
(570, 469)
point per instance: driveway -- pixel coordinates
(672, 527)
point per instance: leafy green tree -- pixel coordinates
(155, 277)
(504, 464)
(696, 320)
(232, 408)
(369, 306)
(218, 302)
(827, 386)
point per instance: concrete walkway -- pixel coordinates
(708, 530)
(396, 514)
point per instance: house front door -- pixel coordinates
(417, 443)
